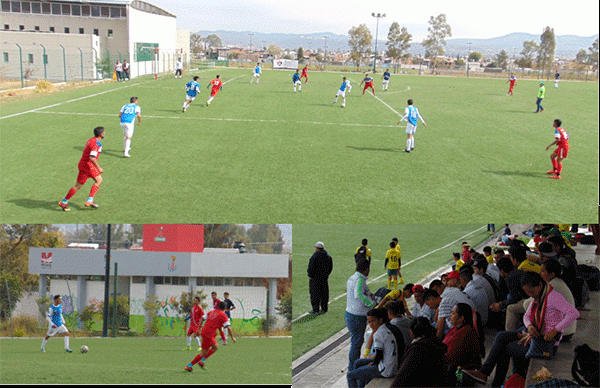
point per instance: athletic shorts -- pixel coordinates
(411, 129)
(256, 75)
(208, 341)
(214, 92)
(386, 81)
(341, 93)
(304, 75)
(368, 85)
(55, 330)
(192, 330)
(189, 98)
(392, 272)
(561, 152)
(127, 129)
(87, 173)
(298, 82)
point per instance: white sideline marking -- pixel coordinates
(403, 266)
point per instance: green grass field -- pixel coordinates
(261, 153)
(431, 245)
(143, 361)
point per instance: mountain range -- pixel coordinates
(567, 46)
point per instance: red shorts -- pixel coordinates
(86, 173)
(304, 75)
(192, 330)
(369, 85)
(561, 152)
(208, 341)
(214, 92)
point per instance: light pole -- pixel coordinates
(325, 59)
(378, 16)
(468, 57)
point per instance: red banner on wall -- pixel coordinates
(173, 238)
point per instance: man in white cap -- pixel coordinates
(320, 266)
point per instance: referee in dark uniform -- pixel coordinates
(320, 266)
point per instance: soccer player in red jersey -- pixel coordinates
(88, 168)
(304, 74)
(216, 302)
(560, 153)
(368, 84)
(217, 85)
(214, 321)
(196, 319)
(513, 81)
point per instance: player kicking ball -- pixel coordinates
(214, 321)
(342, 92)
(56, 324)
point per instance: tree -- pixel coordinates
(530, 48)
(398, 42)
(475, 56)
(360, 43)
(593, 57)
(502, 58)
(265, 238)
(582, 60)
(439, 30)
(300, 55)
(274, 51)
(196, 43)
(546, 54)
(222, 235)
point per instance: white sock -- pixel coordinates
(189, 340)
(335, 100)
(412, 142)
(408, 144)
(294, 88)
(210, 99)
(127, 146)
(44, 342)
(300, 87)
(66, 342)
(344, 101)
(198, 341)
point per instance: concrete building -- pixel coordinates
(82, 40)
(78, 275)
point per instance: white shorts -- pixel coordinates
(256, 75)
(127, 129)
(55, 330)
(386, 81)
(189, 98)
(341, 93)
(298, 83)
(411, 129)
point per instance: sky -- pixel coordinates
(467, 18)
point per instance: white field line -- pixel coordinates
(383, 102)
(403, 266)
(66, 102)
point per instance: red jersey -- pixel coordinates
(305, 71)
(214, 321)
(196, 316)
(562, 136)
(217, 84)
(93, 148)
(216, 302)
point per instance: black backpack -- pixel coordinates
(585, 366)
(591, 275)
(360, 254)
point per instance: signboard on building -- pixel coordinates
(173, 238)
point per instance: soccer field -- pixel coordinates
(262, 153)
(143, 361)
(425, 248)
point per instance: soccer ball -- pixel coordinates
(343, 105)
(84, 349)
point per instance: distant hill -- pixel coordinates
(566, 45)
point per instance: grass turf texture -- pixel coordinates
(263, 153)
(341, 242)
(142, 361)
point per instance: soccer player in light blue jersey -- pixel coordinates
(192, 89)
(342, 92)
(256, 73)
(127, 114)
(56, 323)
(296, 81)
(411, 113)
(386, 80)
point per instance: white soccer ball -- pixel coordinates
(343, 105)
(84, 349)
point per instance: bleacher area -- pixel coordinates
(588, 330)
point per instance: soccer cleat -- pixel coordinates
(68, 350)
(407, 150)
(553, 172)
(43, 350)
(187, 348)
(555, 176)
(127, 156)
(189, 369)
(91, 204)
(207, 103)
(65, 206)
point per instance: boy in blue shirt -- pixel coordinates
(56, 323)
(192, 89)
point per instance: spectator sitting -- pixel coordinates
(458, 261)
(432, 299)
(463, 341)
(466, 254)
(482, 267)
(450, 297)
(498, 254)
(548, 315)
(423, 362)
(385, 361)
(477, 293)
(399, 296)
(487, 252)
(421, 309)
(396, 314)
(518, 252)
(437, 286)
(514, 292)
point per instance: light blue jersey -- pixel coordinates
(345, 84)
(411, 114)
(55, 314)
(257, 70)
(192, 88)
(129, 112)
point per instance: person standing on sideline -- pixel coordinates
(192, 89)
(392, 265)
(513, 82)
(562, 142)
(359, 300)
(320, 266)
(362, 252)
(127, 114)
(178, 68)
(119, 71)
(540, 97)
(88, 168)
(256, 74)
(126, 70)
(56, 323)
(556, 79)
(411, 113)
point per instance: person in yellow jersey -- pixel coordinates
(392, 264)
(395, 239)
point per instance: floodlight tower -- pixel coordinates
(378, 16)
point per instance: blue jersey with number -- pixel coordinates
(55, 314)
(257, 69)
(193, 88)
(296, 77)
(386, 75)
(344, 85)
(413, 113)
(129, 112)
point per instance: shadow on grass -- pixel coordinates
(27, 203)
(375, 149)
(531, 174)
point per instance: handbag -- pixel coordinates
(585, 366)
(540, 348)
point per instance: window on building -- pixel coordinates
(37, 28)
(208, 281)
(6, 6)
(75, 10)
(85, 10)
(179, 281)
(81, 30)
(55, 9)
(5, 55)
(46, 8)
(30, 59)
(115, 12)
(110, 33)
(7, 27)
(22, 27)
(227, 282)
(25, 7)
(238, 282)
(36, 7)
(96, 32)
(67, 30)
(138, 279)
(95, 11)
(123, 12)
(218, 282)
(51, 29)
(15, 6)
(66, 9)
(159, 280)
(248, 282)
(104, 12)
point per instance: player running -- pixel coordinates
(256, 73)
(88, 168)
(386, 80)
(513, 82)
(127, 114)
(304, 74)
(296, 81)
(560, 153)
(411, 113)
(217, 85)
(192, 89)
(214, 321)
(196, 318)
(342, 92)
(56, 323)
(368, 81)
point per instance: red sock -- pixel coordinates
(554, 164)
(70, 194)
(558, 168)
(94, 190)
(210, 353)
(197, 359)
